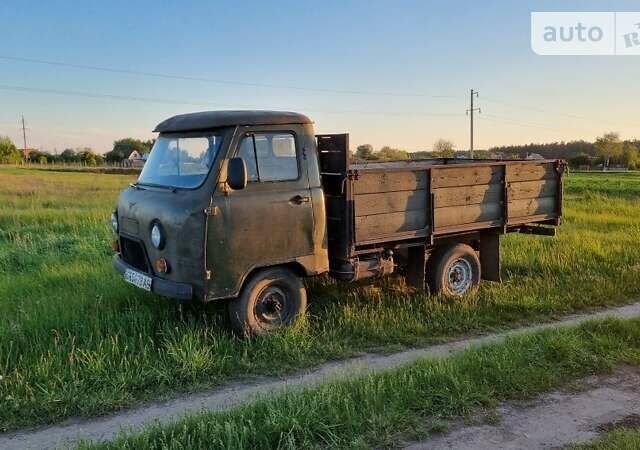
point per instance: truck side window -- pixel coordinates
(276, 156)
(248, 155)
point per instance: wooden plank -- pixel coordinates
(532, 206)
(467, 195)
(388, 202)
(461, 215)
(476, 226)
(540, 218)
(465, 176)
(532, 189)
(376, 182)
(530, 172)
(380, 225)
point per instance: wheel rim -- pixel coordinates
(460, 276)
(272, 307)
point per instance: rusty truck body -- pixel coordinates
(241, 205)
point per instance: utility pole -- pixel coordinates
(24, 139)
(470, 112)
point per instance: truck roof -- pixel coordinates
(206, 120)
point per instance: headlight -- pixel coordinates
(157, 236)
(114, 222)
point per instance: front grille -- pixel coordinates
(133, 254)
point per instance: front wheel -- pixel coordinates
(272, 298)
(454, 271)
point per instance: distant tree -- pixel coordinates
(122, 148)
(565, 150)
(36, 156)
(630, 155)
(89, 158)
(52, 157)
(481, 154)
(422, 154)
(609, 146)
(443, 148)
(365, 151)
(392, 154)
(69, 155)
(9, 154)
(580, 160)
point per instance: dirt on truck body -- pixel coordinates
(241, 205)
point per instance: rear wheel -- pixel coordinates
(273, 298)
(454, 271)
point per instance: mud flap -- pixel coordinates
(416, 261)
(490, 257)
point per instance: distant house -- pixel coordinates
(534, 156)
(25, 152)
(136, 159)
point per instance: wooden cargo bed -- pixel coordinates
(418, 200)
(384, 205)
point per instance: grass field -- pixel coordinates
(382, 410)
(622, 439)
(76, 340)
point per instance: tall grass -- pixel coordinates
(76, 340)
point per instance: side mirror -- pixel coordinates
(236, 174)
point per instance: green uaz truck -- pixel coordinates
(242, 205)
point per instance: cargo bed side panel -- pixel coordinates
(464, 196)
(415, 201)
(391, 205)
(532, 191)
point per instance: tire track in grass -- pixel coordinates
(107, 427)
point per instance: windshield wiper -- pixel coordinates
(153, 185)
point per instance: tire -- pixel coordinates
(271, 299)
(453, 271)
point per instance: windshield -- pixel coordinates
(179, 161)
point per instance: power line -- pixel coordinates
(531, 108)
(491, 118)
(217, 81)
(29, 89)
(537, 124)
(499, 119)
(546, 111)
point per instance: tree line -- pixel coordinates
(122, 149)
(606, 151)
(442, 148)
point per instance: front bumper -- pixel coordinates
(160, 286)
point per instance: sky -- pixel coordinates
(394, 73)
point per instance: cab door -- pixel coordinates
(268, 222)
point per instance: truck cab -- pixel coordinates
(242, 205)
(223, 195)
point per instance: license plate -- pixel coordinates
(138, 279)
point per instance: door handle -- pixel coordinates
(299, 199)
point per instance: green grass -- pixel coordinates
(622, 439)
(76, 340)
(380, 410)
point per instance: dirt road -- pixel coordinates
(555, 420)
(106, 427)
